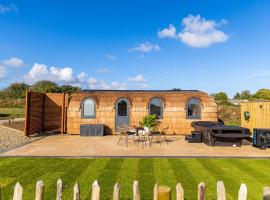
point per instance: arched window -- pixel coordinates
(156, 107)
(193, 109)
(122, 108)
(88, 108)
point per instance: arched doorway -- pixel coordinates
(122, 112)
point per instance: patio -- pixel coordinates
(76, 146)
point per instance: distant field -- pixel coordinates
(233, 172)
(11, 112)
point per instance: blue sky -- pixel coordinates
(209, 45)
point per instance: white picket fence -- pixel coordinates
(159, 192)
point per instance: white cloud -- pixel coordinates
(169, 32)
(65, 75)
(2, 72)
(8, 8)
(111, 57)
(62, 74)
(13, 62)
(94, 83)
(42, 72)
(82, 77)
(197, 32)
(103, 70)
(145, 47)
(139, 79)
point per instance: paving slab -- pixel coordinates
(77, 146)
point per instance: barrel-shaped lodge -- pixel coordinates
(175, 109)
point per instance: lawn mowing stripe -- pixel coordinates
(210, 168)
(164, 174)
(7, 161)
(183, 176)
(51, 176)
(73, 169)
(24, 163)
(90, 174)
(233, 177)
(26, 180)
(109, 177)
(254, 178)
(220, 171)
(128, 173)
(202, 174)
(146, 176)
(38, 173)
(257, 172)
(247, 178)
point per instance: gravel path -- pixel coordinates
(10, 139)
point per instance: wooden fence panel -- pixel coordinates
(159, 192)
(44, 112)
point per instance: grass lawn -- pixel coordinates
(255, 173)
(11, 112)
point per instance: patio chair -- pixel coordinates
(160, 136)
(125, 132)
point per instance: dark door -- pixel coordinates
(122, 112)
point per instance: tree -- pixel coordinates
(15, 91)
(262, 94)
(221, 98)
(44, 87)
(243, 95)
(68, 89)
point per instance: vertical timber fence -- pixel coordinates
(159, 192)
(45, 112)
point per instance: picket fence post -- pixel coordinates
(242, 194)
(156, 192)
(39, 190)
(95, 191)
(59, 189)
(179, 192)
(136, 190)
(201, 191)
(116, 192)
(18, 192)
(76, 192)
(221, 193)
(266, 193)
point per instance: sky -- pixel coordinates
(208, 45)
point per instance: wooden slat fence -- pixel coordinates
(159, 192)
(45, 112)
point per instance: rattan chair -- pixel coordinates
(160, 136)
(126, 133)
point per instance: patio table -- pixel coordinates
(144, 138)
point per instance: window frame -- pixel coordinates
(127, 107)
(162, 107)
(199, 107)
(82, 109)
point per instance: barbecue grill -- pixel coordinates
(217, 134)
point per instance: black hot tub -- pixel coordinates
(217, 134)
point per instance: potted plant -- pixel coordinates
(149, 122)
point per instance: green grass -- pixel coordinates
(233, 172)
(11, 112)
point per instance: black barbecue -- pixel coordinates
(217, 134)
